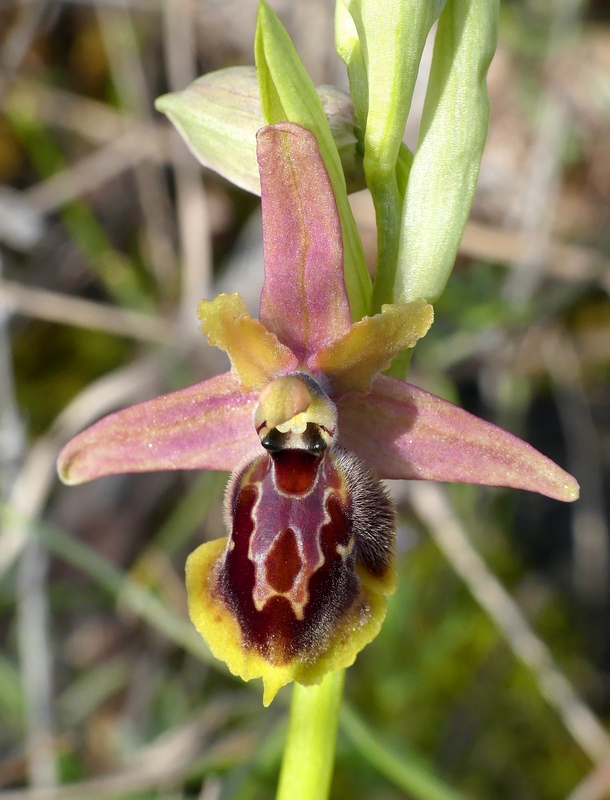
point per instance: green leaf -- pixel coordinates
(288, 95)
(403, 769)
(382, 47)
(452, 136)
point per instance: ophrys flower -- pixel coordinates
(308, 425)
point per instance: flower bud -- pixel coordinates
(219, 114)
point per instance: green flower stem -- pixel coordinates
(386, 198)
(309, 754)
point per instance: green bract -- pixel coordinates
(452, 136)
(382, 62)
(219, 114)
(421, 207)
(288, 95)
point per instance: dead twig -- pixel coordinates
(180, 56)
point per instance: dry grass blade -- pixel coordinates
(155, 766)
(590, 535)
(568, 262)
(152, 6)
(92, 171)
(432, 506)
(211, 789)
(12, 429)
(19, 40)
(67, 310)
(564, 261)
(130, 81)
(536, 206)
(35, 659)
(192, 210)
(37, 475)
(537, 212)
(93, 120)
(596, 786)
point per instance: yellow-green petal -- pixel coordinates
(370, 345)
(257, 355)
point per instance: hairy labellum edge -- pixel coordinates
(298, 588)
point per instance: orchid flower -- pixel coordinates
(308, 426)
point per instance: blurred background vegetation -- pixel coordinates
(491, 677)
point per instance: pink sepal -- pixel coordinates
(205, 426)
(304, 300)
(404, 432)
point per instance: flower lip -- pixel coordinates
(299, 586)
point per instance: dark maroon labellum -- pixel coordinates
(299, 524)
